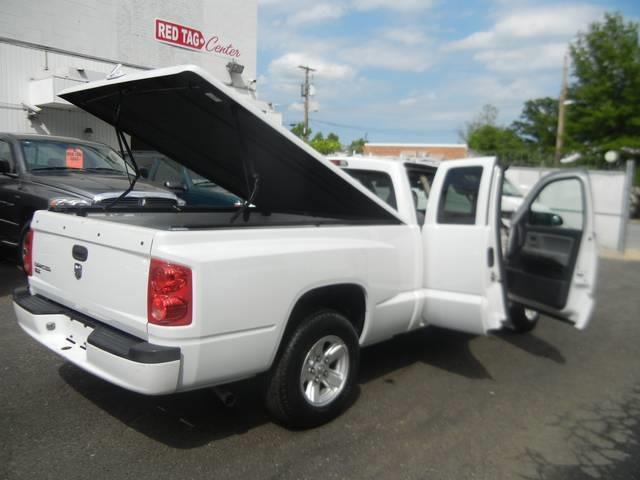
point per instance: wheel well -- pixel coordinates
(347, 299)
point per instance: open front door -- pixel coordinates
(462, 279)
(551, 260)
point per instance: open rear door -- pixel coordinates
(462, 279)
(551, 260)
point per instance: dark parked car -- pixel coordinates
(194, 189)
(39, 171)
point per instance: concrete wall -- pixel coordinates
(608, 199)
(434, 151)
(53, 39)
(123, 30)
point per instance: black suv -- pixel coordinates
(38, 171)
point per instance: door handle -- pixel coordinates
(490, 257)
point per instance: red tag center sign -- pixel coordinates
(180, 35)
(74, 158)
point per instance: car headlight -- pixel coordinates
(66, 202)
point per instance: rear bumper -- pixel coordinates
(108, 353)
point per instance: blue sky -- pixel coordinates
(415, 70)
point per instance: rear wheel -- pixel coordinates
(315, 376)
(523, 319)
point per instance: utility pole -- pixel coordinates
(561, 105)
(305, 94)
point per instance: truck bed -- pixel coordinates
(211, 219)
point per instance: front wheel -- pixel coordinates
(523, 319)
(315, 376)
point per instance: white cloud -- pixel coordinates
(316, 14)
(383, 56)
(474, 41)
(405, 102)
(406, 5)
(405, 36)
(524, 59)
(526, 39)
(549, 22)
(299, 107)
(286, 66)
(561, 20)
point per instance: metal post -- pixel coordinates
(561, 107)
(305, 95)
(626, 198)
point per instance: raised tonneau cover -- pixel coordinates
(199, 122)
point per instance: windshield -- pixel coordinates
(199, 179)
(59, 155)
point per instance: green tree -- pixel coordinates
(495, 140)
(605, 93)
(488, 116)
(357, 146)
(537, 124)
(298, 131)
(327, 145)
(484, 136)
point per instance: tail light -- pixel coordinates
(27, 253)
(169, 296)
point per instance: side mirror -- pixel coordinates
(5, 167)
(556, 220)
(545, 219)
(144, 172)
(173, 185)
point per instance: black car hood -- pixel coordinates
(199, 122)
(91, 185)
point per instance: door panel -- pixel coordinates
(461, 250)
(9, 228)
(551, 260)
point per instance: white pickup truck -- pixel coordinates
(314, 266)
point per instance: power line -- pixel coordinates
(381, 130)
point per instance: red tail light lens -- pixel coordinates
(27, 253)
(169, 297)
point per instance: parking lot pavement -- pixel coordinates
(556, 404)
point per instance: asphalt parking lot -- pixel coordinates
(557, 404)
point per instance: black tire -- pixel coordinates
(523, 320)
(287, 398)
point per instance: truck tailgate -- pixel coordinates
(95, 267)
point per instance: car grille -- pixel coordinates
(150, 202)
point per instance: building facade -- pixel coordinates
(48, 46)
(438, 151)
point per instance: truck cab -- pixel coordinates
(471, 282)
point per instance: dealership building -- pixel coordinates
(46, 47)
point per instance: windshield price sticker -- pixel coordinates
(74, 158)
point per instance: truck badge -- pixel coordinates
(77, 270)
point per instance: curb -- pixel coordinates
(629, 255)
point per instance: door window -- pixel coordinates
(459, 197)
(378, 182)
(559, 205)
(5, 153)
(420, 184)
